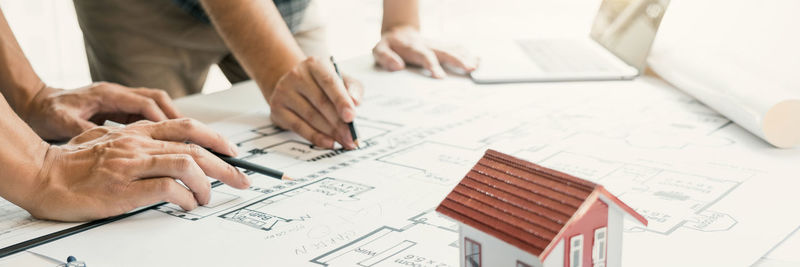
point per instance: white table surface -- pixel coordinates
(247, 98)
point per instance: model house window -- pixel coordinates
(599, 248)
(522, 264)
(576, 251)
(472, 253)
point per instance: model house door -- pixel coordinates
(599, 247)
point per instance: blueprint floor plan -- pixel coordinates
(676, 162)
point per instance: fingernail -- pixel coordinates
(438, 72)
(397, 66)
(234, 149)
(247, 180)
(349, 114)
(356, 98)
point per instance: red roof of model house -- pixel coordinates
(521, 203)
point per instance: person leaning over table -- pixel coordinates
(280, 43)
(102, 171)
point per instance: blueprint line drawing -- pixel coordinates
(677, 199)
(688, 170)
(220, 200)
(260, 214)
(391, 246)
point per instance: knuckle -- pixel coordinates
(323, 104)
(183, 162)
(161, 94)
(114, 135)
(195, 150)
(295, 125)
(309, 114)
(329, 80)
(311, 60)
(151, 103)
(317, 138)
(125, 141)
(139, 123)
(101, 130)
(295, 73)
(187, 123)
(101, 149)
(164, 186)
(99, 86)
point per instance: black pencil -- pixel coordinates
(349, 124)
(252, 167)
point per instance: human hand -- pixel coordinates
(57, 114)
(401, 45)
(108, 171)
(312, 101)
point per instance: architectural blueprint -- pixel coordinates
(17, 225)
(701, 181)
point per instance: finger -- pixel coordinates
(211, 165)
(425, 57)
(355, 88)
(181, 167)
(311, 115)
(313, 94)
(150, 191)
(327, 79)
(187, 130)
(287, 119)
(162, 100)
(116, 100)
(76, 125)
(446, 57)
(387, 58)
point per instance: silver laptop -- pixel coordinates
(616, 49)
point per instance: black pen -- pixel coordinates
(252, 166)
(349, 124)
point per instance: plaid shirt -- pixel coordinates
(291, 10)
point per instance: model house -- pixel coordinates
(515, 213)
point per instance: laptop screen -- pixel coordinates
(627, 28)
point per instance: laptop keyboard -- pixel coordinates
(564, 56)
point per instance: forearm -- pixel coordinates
(400, 13)
(258, 37)
(21, 157)
(18, 82)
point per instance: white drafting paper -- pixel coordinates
(739, 59)
(17, 225)
(715, 195)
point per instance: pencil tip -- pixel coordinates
(287, 178)
(358, 146)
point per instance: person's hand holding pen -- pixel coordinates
(314, 102)
(108, 171)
